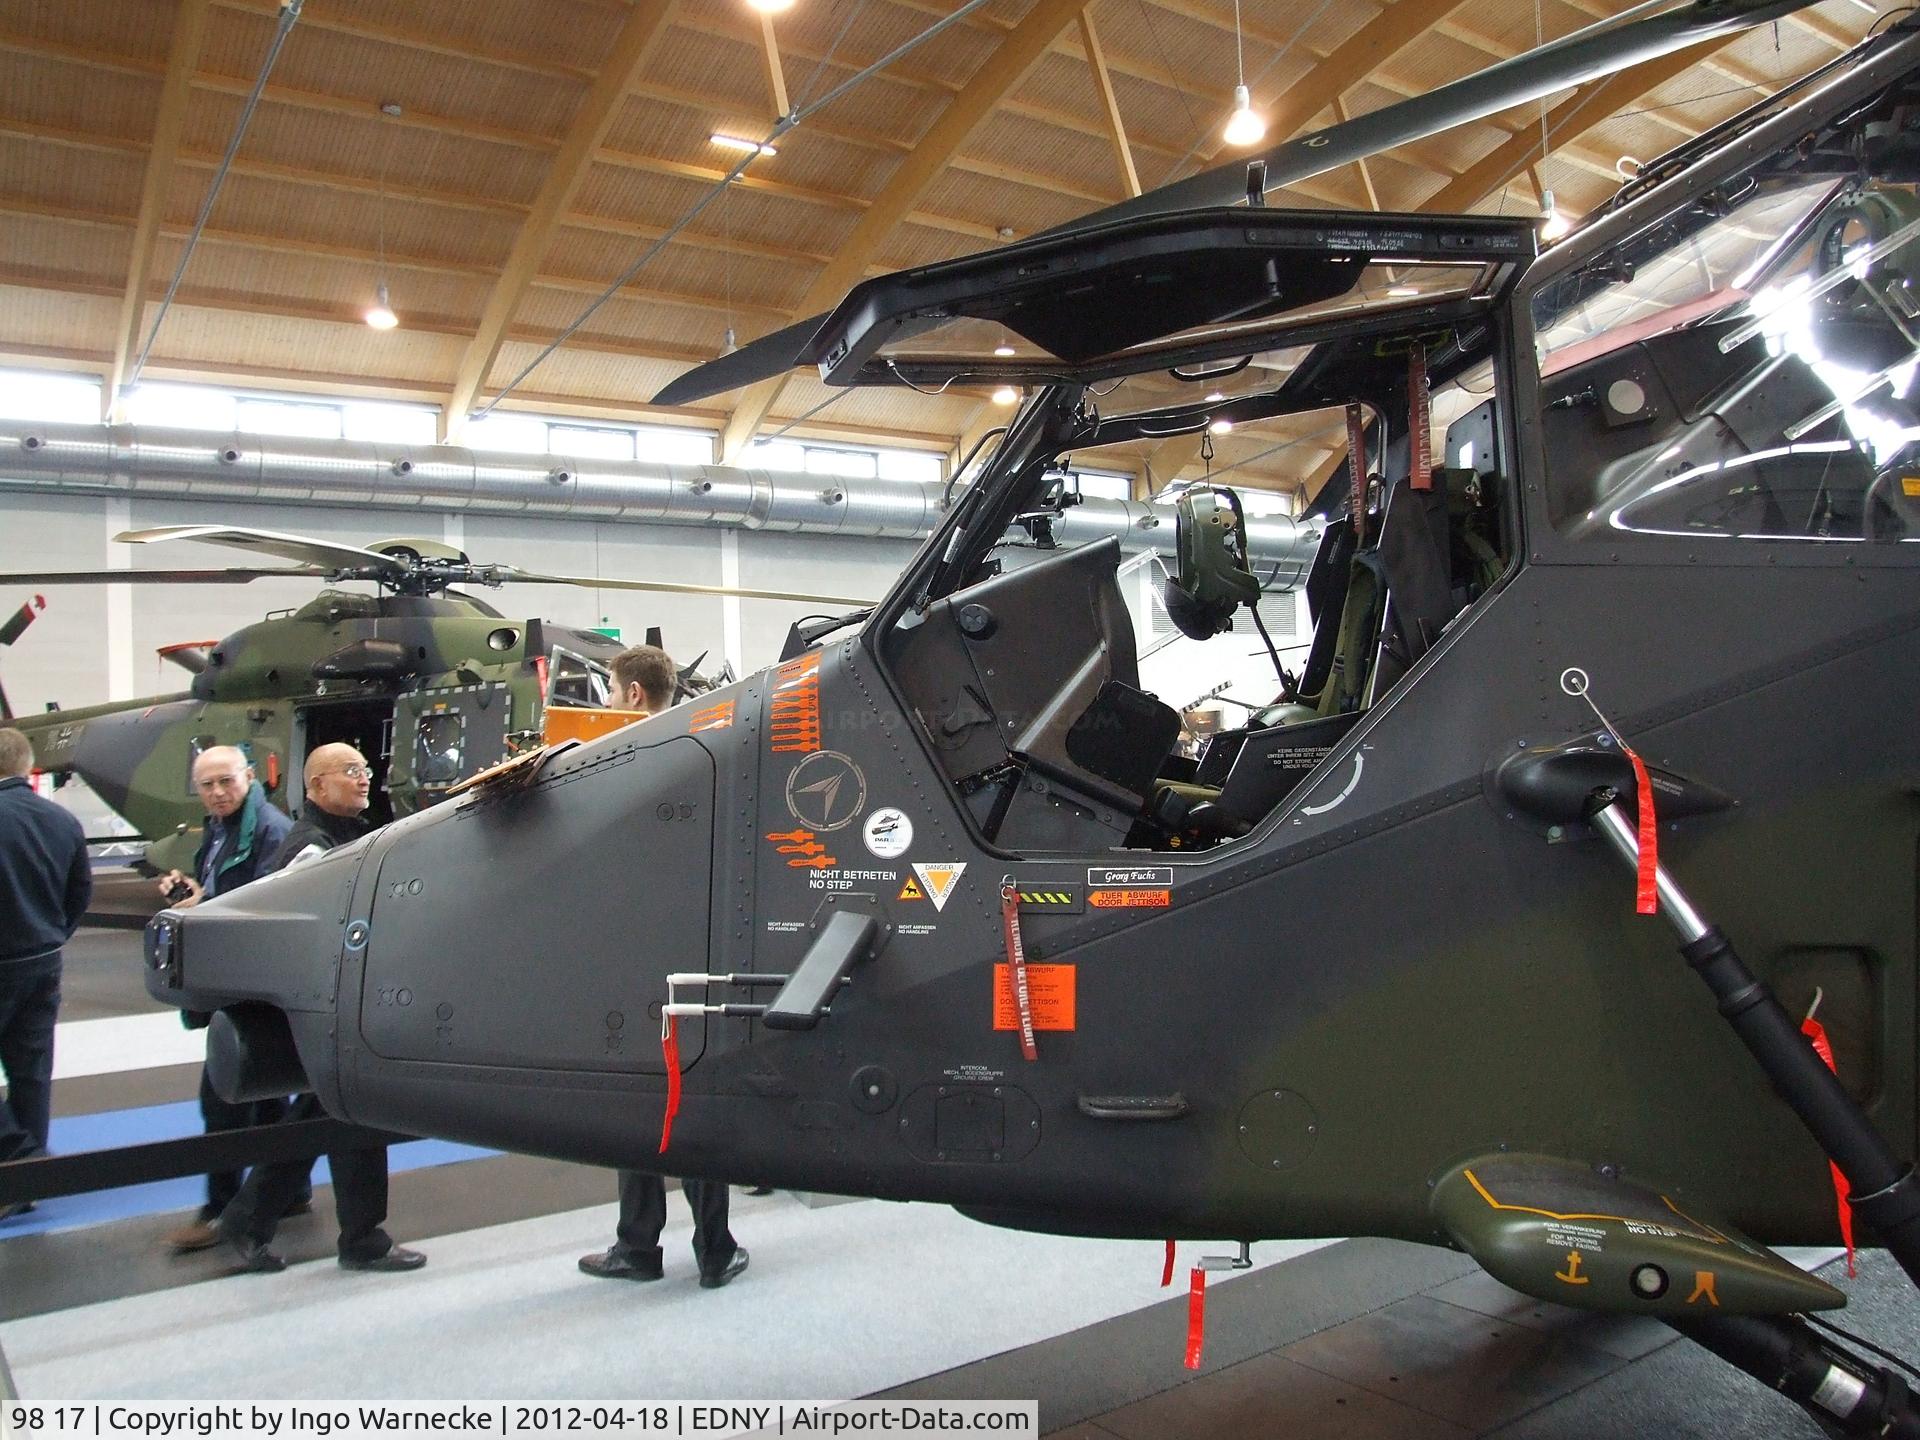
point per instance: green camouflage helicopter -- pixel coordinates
(430, 683)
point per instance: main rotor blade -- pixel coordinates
(323, 554)
(669, 587)
(1586, 55)
(154, 577)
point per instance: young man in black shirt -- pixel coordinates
(643, 680)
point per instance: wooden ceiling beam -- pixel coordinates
(1003, 70)
(1588, 107)
(326, 15)
(776, 76)
(183, 55)
(597, 111)
(1109, 103)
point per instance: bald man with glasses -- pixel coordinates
(339, 788)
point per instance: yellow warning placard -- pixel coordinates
(1049, 989)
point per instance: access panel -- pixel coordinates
(560, 912)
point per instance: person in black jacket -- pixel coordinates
(242, 832)
(45, 884)
(339, 782)
(643, 680)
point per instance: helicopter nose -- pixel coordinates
(526, 925)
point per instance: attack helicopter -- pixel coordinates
(935, 911)
(432, 684)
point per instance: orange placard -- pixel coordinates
(568, 722)
(1049, 986)
(1130, 899)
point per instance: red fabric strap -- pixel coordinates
(1419, 419)
(1647, 891)
(1357, 471)
(1196, 1317)
(670, 1047)
(1017, 967)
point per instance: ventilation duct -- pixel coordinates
(273, 469)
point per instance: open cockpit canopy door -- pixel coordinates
(1064, 692)
(1163, 291)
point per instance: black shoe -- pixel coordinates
(254, 1255)
(397, 1258)
(618, 1265)
(15, 1210)
(733, 1268)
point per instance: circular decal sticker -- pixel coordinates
(887, 833)
(826, 791)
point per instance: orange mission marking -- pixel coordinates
(1474, 1180)
(805, 848)
(795, 724)
(1130, 899)
(1050, 989)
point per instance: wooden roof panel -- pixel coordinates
(65, 252)
(131, 27)
(43, 89)
(363, 223)
(52, 320)
(490, 88)
(322, 61)
(53, 175)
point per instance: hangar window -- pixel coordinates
(1744, 368)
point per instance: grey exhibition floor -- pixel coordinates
(1356, 1339)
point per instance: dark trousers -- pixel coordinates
(223, 1185)
(643, 1214)
(29, 1003)
(359, 1194)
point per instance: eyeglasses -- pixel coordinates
(352, 772)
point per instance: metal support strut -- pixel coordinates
(1886, 1190)
(1846, 1393)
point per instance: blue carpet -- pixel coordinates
(111, 1128)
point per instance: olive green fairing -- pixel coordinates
(1584, 1236)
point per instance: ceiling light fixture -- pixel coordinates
(1245, 126)
(1553, 224)
(1005, 395)
(380, 314)
(735, 142)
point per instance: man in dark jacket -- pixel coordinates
(243, 830)
(339, 782)
(45, 884)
